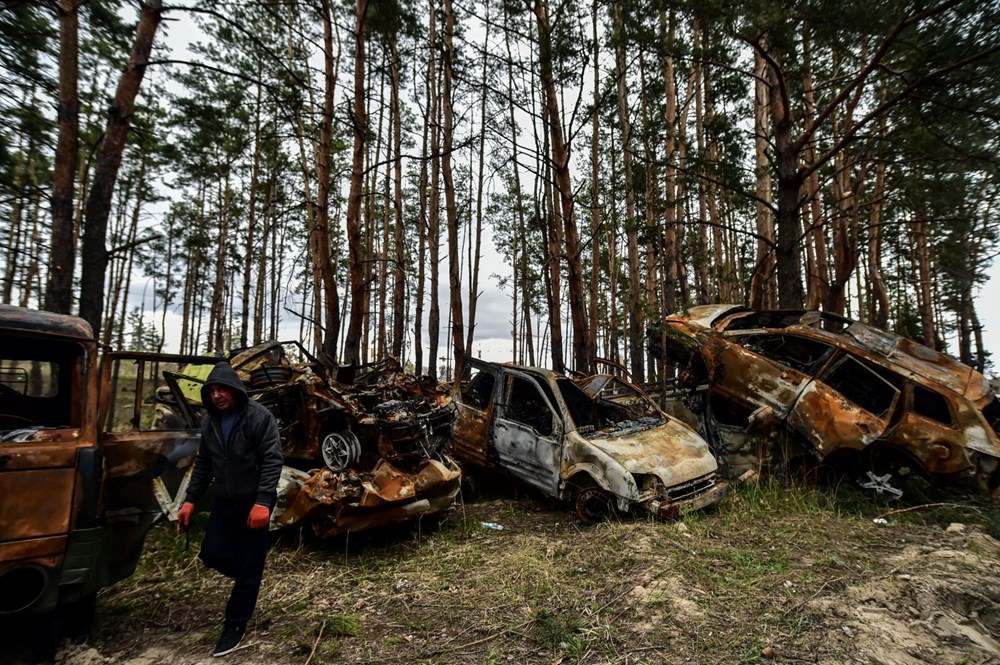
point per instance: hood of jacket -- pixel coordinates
(223, 374)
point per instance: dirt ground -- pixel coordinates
(773, 575)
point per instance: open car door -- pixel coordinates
(527, 432)
(150, 433)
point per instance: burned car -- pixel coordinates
(607, 451)
(358, 454)
(785, 389)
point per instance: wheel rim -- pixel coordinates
(340, 450)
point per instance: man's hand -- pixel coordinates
(184, 514)
(259, 517)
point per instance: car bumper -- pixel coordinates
(665, 510)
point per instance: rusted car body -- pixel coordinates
(786, 387)
(611, 450)
(380, 437)
(76, 498)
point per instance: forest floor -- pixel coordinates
(773, 574)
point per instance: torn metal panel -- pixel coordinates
(839, 392)
(336, 503)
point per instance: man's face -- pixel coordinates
(223, 397)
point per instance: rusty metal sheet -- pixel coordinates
(335, 503)
(44, 323)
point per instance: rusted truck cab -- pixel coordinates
(77, 492)
(51, 463)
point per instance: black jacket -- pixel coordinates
(247, 469)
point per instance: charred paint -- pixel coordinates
(336, 503)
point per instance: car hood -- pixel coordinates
(672, 451)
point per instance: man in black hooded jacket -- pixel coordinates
(241, 453)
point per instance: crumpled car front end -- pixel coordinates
(667, 468)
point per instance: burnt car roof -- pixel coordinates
(895, 350)
(44, 323)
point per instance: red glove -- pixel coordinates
(184, 514)
(259, 517)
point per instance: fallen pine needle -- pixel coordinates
(920, 507)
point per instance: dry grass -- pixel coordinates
(730, 585)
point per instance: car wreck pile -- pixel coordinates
(381, 439)
(780, 391)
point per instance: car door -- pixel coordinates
(527, 432)
(765, 369)
(848, 405)
(150, 436)
(474, 405)
(49, 460)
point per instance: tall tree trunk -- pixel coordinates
(167, 279)
(564, 211)
(322, 250)
(62, 253)
(217, 317)
(788, 264)
(94, 258)
(399, 261)
(251, 234)
(595, 197)
(23, 167)
(763, 286)
(701, 260)
(669, 277)
(480, 178)
(418, 343)
(925, 302)
(817, 275)
(355, 263)
(455, 281)
(434, 201)
(879, 311)
(635, 322)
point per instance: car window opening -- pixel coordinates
(930, 404)
(800, 354)
(860, 385)
(525, 405)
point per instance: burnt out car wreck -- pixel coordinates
(358, 454)
(598, 444)
(779, 391)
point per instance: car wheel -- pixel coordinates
(593, 504)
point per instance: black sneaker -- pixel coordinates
(230, 639)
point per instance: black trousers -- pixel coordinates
(238, 552)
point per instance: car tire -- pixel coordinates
(594, 505)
